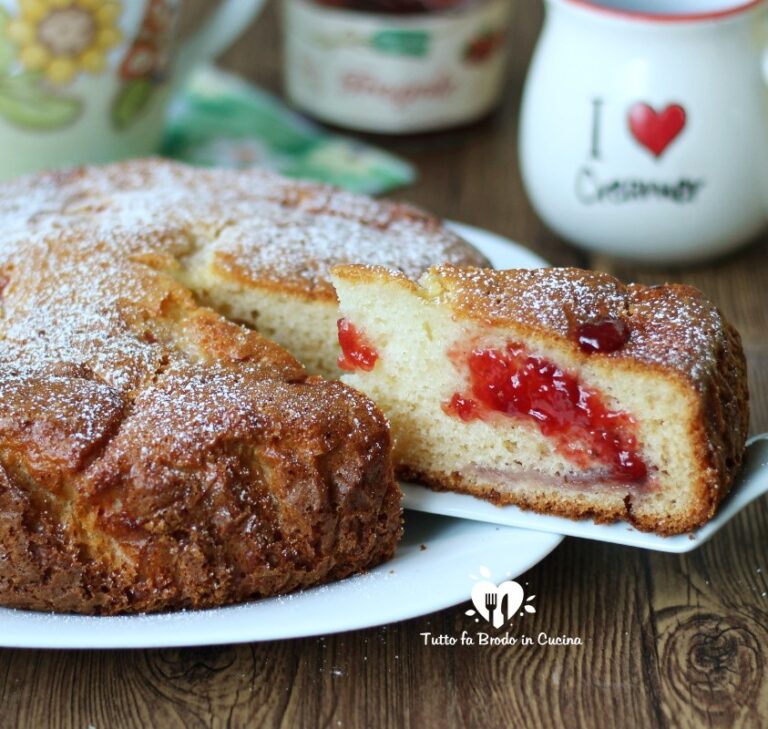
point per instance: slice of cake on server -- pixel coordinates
(559, 390)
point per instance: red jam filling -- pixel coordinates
(357, 353)
(396, 7)
(514, 382)
(604, 335)
(462, 407)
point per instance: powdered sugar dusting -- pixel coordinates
(298, 247)
(85, 298)
(94, 236)
(670, 325)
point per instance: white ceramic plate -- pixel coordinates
(501, 252)
(751, 484)
(433, 569)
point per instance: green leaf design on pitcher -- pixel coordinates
(26, 103)
(401, 42)
(131, 101)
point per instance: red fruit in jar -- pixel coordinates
(483, 47)
(395, 7)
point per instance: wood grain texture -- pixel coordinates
(669, 641)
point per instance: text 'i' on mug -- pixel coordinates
(644, 126)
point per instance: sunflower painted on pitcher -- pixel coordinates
(44, 46)
(62, 38)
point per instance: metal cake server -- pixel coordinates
(751, 483)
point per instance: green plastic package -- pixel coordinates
(219, 119)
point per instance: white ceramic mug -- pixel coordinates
(89, 80)
(644, 126)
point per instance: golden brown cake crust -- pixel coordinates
(153, 455)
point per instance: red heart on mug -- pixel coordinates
(656, 130)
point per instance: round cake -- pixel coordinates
(155, 453)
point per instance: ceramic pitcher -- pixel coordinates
(88, 80)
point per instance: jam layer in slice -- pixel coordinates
(518, 384)
(357, 353)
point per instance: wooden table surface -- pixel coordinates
(668, 640)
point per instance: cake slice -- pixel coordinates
(559, 390)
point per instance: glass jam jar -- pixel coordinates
(395, 66)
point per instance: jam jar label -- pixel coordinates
(395, 73)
